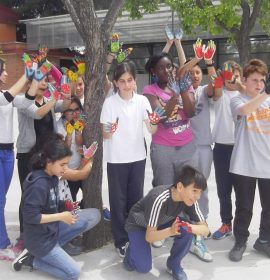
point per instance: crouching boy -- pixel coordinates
(155, 217)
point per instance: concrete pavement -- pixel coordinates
(104, 263)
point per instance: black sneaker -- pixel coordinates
(237, 252)
(24, 259)
(262, 247)
(122, 250)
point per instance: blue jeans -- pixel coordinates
(57, 262)
(6, 171)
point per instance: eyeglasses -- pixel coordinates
(73, 111)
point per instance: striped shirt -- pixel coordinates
(157, 208)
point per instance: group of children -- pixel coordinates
(175, 109)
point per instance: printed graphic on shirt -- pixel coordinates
(259, 121)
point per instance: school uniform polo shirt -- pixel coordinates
(127, 142)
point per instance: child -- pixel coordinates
(122, 118)
(8, 100)
(47, 226)
(155, 217)
(223, 136)
(250, 157)
(73, 138)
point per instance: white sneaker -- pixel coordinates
(199, 248)
(158, 244)
(7, 254)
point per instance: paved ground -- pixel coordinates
(105, 263)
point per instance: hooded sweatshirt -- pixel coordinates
(40, 196)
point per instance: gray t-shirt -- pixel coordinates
(250, 156)
(200, 123)
(157, 208)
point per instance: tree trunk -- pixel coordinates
(96, 37)
(244, 48)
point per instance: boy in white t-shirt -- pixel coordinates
(250, 163)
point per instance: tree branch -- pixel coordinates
(111, 17)
(255, 14)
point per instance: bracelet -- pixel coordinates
(210, 65)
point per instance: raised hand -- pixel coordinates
(210, 50)
(69, 128)
(173, 84)
(42, 54)
(111, 127)
(115, 44)
(185, 82)
(217, 80)
(199, 49)
(123, 54)
(80, 64)
(227, 72)
(79, 125)
(158, 114)
(54, 93)
(168, 33)
(30, 66)
(64, 84)
(178, 33)
(42, 71)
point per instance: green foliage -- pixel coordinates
(265, 17)
(138, 7)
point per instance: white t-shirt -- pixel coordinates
(223, 130)
(200, 123)
(127, 142)
(250, 156)
(75, 159)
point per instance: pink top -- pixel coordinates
(175, 131)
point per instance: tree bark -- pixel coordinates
(96, 37)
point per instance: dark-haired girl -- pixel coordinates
(47, 225)
(122, 118)
(172, 144)
(73, 139)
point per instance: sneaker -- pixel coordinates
(7, 254)
(106, 214)
(18, 247)
(237, 252)
(24, 259)
(223, 231)
(122, 250)
(263, 247)
(199, 248)
(158, 244)
(177, 275)
(72, 250)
